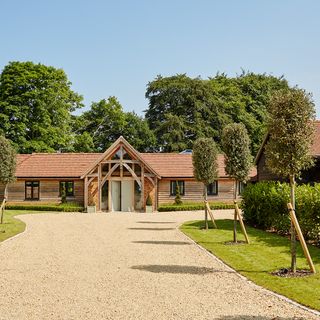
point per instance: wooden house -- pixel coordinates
(307, 176)
(120, 179)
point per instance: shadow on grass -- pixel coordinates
(152, 229)
(164, 242)
(156, 222)
(258, 236)
(178, 269)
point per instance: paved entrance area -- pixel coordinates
(123, 266)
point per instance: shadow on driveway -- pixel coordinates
(178, 243)
(177, 269)
(152, 229)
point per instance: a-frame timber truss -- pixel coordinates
(120, 162)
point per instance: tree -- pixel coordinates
(177, 199)
(83, 143)
(106, 121)
(7, 166)
(205, 166)
(238, 159)
(182, 109)
(36, 102)
(291, 133)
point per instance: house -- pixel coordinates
(308, 176)
(120, 179)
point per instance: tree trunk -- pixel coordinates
(5, 194)
(205, 193)
(235, 213)
(292, 229)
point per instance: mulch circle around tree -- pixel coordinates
(287, 273)
(232, 243)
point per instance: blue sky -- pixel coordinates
(117, 47)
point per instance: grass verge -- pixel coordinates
(12, 226)
(266, 253)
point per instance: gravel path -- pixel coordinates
(123, 266)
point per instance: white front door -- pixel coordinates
(116, 195)
(127, 195)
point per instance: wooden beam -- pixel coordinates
(210, 214)
(133, 174)
(117, 161)
(150, 179)
(109, 191)
(99, 187)
(110, 173)
(142, 187)
(301, 238)
(86, 185)
(156, 194)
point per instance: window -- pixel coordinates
(69, 187)
(173, 186)
(212, 189)
(32, 190)
(241, 186)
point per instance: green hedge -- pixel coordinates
(45, 208)
(193, 207)
(265, 206)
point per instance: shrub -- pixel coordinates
(149, 200)
(45, 207)
(193, 207)
(265, 206)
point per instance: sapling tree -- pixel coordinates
(291, 131)
(7, 167)
(205, 166)
(238, 159)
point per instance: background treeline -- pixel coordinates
(37, 111)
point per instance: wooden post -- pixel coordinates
(142, 188)
(99, 187)
(235, 213)
(109, 190)
(295, 222)
(210, 214)
(243, 228)
(86, 192)
(156, 194)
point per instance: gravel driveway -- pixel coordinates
(123, 266)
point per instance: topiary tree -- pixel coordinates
(149, 200)
(7, 167)
(290, 138)
(238, 159)
(205, 166)
(177, 199)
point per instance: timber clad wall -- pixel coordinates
(49, 191)
(262, 172)
(194, 191)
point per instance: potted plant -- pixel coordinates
(91, 208)
(149, 208)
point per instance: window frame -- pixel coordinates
(60, 188)
(209, 193)
(32, 186)
(240, 187)
(173, 187)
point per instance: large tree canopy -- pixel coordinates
(182, 109)
(106, 121)
(35, 106)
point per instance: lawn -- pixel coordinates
(12, 226)
(266, 253)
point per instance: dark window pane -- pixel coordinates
(212, 189)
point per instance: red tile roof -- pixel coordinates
(176, 165)
(49, 165)
(74, 165)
